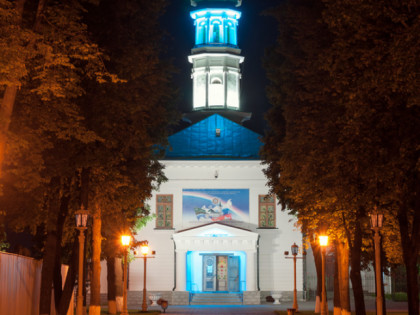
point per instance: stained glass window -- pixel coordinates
(267, 211)
(164, 213)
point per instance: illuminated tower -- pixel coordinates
(216, 56)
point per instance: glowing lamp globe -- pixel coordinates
(323, 240)
(144, 249)
(125, 240)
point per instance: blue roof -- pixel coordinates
(199, 141)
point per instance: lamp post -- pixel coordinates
(144, 249)
(81, 222)
(376, 219)
(323, 241)
(125, 240)
(295, 251)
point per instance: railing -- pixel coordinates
(368, 284)
(242, 285)
(190, 297)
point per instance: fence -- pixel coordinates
(368, 283)
(20, 282)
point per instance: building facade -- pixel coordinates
(217, 229)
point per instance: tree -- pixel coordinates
(137, 113)
(344, 87)
(377, 61)
(55, 134)
(298, 152)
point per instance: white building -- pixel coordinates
(217, 230)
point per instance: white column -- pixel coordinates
(225, 87)
(181, 268)
(250, 271)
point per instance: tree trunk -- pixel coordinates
(50, 247)
(355, 275)
(119, 285)
(343, 276)
(9, 96)
(316, 251)
(70, 280)
(95, 285)
(6, 109)
(8, 100)
(412, 285)
(58, 281)
(410, 242)
(112, 306)
(337, 304)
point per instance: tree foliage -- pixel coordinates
(344, 136)
(94, 95)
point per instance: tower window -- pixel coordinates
(230, 33)
(216, 90)
(218, 132)
(201, 33)
(216, 32)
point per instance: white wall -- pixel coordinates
(276, 272)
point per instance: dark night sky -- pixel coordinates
(255, 33)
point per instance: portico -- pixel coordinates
(215, 257)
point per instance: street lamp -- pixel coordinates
(376, 220)
(144, 249)
(323, 241)
(295, 251)
(81, 222)
(125, 240)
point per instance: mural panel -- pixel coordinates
(211, 205)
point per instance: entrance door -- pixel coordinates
(221, 273)
(233, 274)
(209, 273)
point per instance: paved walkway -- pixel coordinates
(268, 309)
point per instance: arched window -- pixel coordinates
(216, 90)
(216, 31)
(201, 33)
(230, 33)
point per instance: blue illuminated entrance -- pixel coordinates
(222, 271)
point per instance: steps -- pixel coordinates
(216, 298)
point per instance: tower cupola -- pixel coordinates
(216, 56)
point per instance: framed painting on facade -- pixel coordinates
(212, 205)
